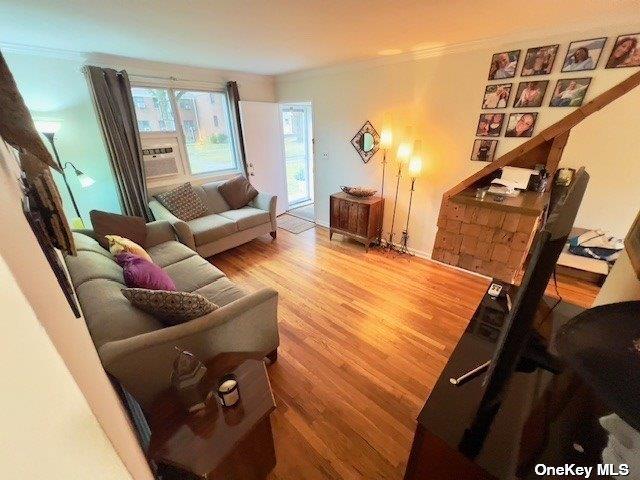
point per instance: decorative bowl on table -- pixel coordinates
(359, 191)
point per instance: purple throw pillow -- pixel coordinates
(141, 273)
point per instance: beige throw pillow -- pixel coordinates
(119, 244)
(237, 191)
(172, 308)
(183, 202)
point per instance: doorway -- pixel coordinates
(297, 129)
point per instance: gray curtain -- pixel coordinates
(114, 105)
(234, 107)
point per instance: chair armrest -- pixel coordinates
(160, 212)
(143, 363)
(159, 232)
(267, 202)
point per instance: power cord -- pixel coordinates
(555, 285)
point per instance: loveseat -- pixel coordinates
(137, 348)
(221, 228)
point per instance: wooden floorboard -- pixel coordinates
(364, 336)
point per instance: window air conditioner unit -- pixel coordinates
(161, 160)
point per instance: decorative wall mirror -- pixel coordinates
(366, 142)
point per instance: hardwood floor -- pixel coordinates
(363, 339)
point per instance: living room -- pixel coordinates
(343, 225)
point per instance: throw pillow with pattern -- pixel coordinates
(183, 202)
(172, 308)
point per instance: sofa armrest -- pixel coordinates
(160, 212)
(143, 363)
(159, 232)
(267, 202)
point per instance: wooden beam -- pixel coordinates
(550, 133)
(555, 154)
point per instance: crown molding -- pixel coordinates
(520, 39)
(42, 51)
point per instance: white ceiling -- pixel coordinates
(279, 36)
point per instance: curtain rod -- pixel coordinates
(176, 79)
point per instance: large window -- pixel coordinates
(199, 120)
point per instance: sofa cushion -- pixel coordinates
(172, 308)
(86, 243)
(192, 273)
(89, 265)
(167, 253)
(247, 217)
(109, 315)
(183, 202)
(237, 191)
(210, 228)
(215, 202)
(105, 223)
(221, 292)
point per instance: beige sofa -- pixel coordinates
(221, 228)
(134, 346)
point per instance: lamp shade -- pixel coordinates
(386, 137)
(415, 166)
(47, 126)
(85, 180)
(405, 148)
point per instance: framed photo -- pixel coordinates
(496, 96)
(530, 94)
(539, 60)
(626, 52)
(570, 92)
(583, 55)
(484, 150)
(521, 124)
(490, 125)
(504, 64)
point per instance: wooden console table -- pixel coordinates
(217, 443)
(355, 217)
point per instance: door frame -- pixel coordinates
(311, 163)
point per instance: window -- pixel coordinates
(209, 146)
(204, 132)
(159, 118)
(140, 102)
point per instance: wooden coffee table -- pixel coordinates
(217, 442)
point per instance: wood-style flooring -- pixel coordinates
(364, 336)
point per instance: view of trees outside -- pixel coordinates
(205, 123)
(296, 145)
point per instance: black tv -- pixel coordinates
(517, 346)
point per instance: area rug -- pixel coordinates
(307, 212)
(294, 224)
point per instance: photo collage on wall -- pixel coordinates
(526, 97)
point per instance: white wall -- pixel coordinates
(57, 326)
(48, 429)
(440, 96)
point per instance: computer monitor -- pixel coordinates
(516, 335)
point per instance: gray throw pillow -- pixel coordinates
(105, 223)
(172, 308)
(183, 202)
(237, 191)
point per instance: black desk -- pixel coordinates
(544, 418)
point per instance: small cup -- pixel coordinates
(227, 391)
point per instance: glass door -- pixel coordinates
(298, 151)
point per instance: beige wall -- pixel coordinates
(56, 410)
(440, 96)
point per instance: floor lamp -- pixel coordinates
(402, 157)
(386, 141)
(49, 130)
(415, 168)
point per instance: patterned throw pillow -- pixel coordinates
(183, 202)
(172, 308)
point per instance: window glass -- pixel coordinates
(153, 109)
(205, 123)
